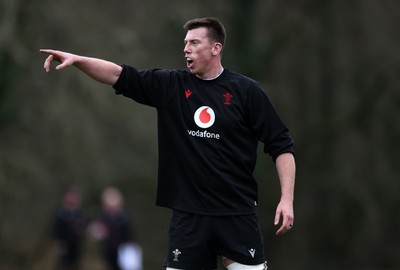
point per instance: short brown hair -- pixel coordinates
(215, 28)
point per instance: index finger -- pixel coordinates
(48, 51)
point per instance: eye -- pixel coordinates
(191, 42)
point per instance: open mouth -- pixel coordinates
(189, 62)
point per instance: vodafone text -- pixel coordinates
(203, 134)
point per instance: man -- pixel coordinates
(114, 229)
(69, 228)
(210, 120)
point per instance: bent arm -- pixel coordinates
(286, 167)
(98, 69)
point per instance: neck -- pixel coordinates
(213, 74)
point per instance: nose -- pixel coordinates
(186, 49)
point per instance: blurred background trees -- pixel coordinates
(331, 67)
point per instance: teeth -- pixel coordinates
(188, 59)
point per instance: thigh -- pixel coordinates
(189, 243)
(239, 238)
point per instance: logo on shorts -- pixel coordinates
(176, 253)
(204, 117)
(252, 252)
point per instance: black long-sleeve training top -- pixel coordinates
(208, 131)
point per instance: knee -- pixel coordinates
(231, 265)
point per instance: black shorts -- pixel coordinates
(195, 241)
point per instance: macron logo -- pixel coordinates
(188, 93)
(252, 252)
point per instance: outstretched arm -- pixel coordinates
(98, 69)
(286, 167)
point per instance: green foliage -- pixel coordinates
(6, 79)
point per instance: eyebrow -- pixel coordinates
(191, 40)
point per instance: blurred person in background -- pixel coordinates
(114, 229)
(69, 228)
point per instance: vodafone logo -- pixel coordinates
(204, 117)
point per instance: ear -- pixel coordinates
(217, 48)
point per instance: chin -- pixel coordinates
(193, 71)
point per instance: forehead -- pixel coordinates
(197, 33)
